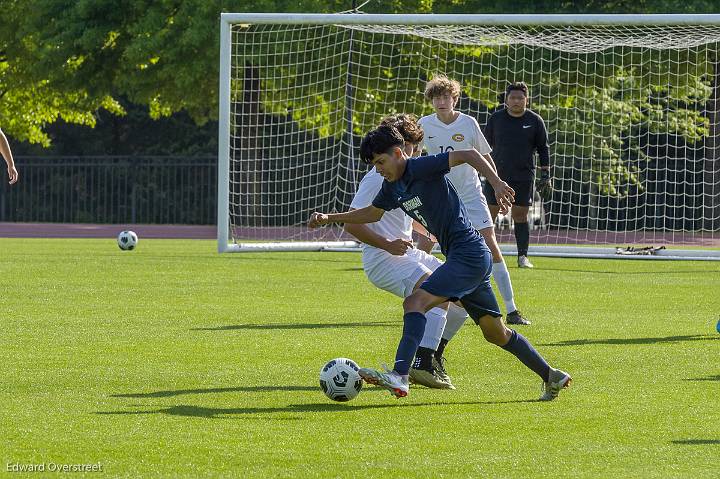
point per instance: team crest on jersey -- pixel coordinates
(458, 137)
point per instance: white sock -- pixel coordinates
(502, 279)
(456, 317)
(434, 327)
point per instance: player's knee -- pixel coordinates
(413, 303)
(520, 214)
(494, 331)
(495, 337)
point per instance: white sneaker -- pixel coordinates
(429, 379)
(557, 381)
(524, 262)
(389, 380)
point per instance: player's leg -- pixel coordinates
(502, 278)
(401, 275)
(455, 318)
(519, 213)
(423, 369)
(396, 380)
(489, 194)
(482, 307)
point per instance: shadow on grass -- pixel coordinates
(696, 442)
(624, 273)
(666, 339)
(181, 392)
(709, 378)
(364, 324)
(207, 412)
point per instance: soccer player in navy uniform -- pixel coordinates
(420, 188)
(515, 134)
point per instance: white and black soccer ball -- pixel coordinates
(127, 240)
(339, 379)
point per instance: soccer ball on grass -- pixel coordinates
(339, 379)
(127, 240)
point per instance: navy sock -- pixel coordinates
(522, 238)
(524, 351)
(413, 330)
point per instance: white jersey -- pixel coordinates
(393, 225)
(462, 134)
(396, 274)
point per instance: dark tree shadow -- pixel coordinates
(210, 413)
(363, 324)
(667, 339)
(181, 392)
(695, 442)
(709, 378)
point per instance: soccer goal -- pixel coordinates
(631, 103)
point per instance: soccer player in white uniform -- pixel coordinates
(392, 263)
(450, 130)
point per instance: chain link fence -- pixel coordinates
(112, 189)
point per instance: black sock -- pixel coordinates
(423, 358)
(441, 348)
(522, 238)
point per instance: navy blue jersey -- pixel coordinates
(428, 197)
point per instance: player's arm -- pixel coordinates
(541, 144)
(369, 214)
(503, 193)
(7, 155)
(481, 144)
(364, 234)
(490, 160)
(426, 241)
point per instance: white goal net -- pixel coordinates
(631, 105)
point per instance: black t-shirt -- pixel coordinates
(514, 141)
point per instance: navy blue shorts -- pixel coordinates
(465, 276)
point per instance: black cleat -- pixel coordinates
(516, 318)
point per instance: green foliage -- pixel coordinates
(66, 59)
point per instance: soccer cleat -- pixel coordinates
(516, 317)
(429, 379)
(557, 381)
(389, 380)
(441, 372)
(524, 262)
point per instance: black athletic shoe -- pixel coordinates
(516, 318)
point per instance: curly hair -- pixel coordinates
(407, 125)
(440, 85)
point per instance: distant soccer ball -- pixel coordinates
(127, 240)
(339, 379)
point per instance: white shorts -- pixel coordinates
(397, 274)
(478, 212)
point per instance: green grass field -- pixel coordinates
(172, 360)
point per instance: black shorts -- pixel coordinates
(524, 191)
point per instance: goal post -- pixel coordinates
(632, 105)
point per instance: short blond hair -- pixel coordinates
(440, 85)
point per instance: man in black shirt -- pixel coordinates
(515, 134)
